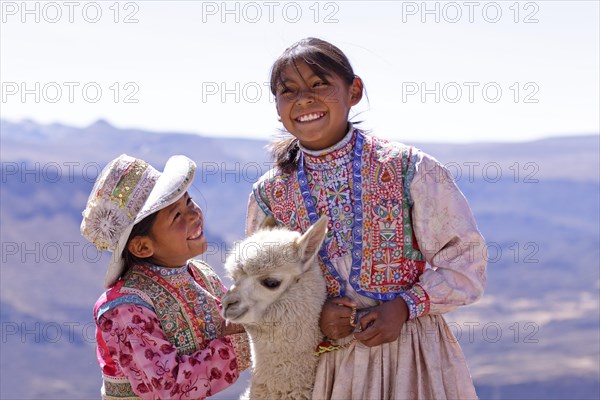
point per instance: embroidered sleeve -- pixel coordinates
(448, 237)
(241, 343)
(417, 301)
(137, 344)
(254, 215)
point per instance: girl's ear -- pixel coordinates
(356, 91)
(141, 246)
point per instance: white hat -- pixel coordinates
(127, 191)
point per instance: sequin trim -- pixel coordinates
(132, 177)
(116, 200)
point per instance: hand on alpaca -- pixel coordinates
(232, 328)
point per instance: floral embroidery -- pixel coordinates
(117, 387)
(105, 222)
(115, 201)
(365, 198)
(140, 358)
(181, 304)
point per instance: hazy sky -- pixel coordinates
(434, 71)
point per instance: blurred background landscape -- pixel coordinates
(534, 335)
(506, 94)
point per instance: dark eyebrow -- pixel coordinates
(284, 79)
(173, 206)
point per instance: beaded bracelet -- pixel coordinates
(326, 346)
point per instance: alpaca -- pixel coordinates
(278, 293)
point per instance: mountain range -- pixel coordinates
(534, 335)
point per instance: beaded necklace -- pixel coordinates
(357, 224)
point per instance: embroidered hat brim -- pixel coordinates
(172, 183)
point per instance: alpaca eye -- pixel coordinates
(270, 283)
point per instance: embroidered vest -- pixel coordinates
(187, 319)
(386, 257)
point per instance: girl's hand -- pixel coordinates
(383, 323)
(231, 328)
(335, 317)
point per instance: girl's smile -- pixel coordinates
(176, 235)
(196, 235)
(315, 108)
(310, 117)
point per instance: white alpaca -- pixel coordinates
(277, 295)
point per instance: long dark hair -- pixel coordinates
(323, 58)
(142, 228)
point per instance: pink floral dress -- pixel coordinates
(158, 335)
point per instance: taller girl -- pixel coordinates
(392, 209)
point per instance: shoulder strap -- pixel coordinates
(103, 306)
(207, 277)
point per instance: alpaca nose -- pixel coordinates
(229, 301)
(231, 306)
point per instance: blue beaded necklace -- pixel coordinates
(357, 225)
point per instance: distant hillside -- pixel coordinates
(535, 334)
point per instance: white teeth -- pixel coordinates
(196, 234)
(310, 117)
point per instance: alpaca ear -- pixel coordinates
(310, 243)
(268, 223)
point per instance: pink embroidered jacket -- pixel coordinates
(158, 335)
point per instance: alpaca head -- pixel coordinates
(266, 266)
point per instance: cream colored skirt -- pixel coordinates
(425, 362)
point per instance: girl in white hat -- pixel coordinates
(159, 329)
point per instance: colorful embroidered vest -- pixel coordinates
(385, 254)
(185, 315)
